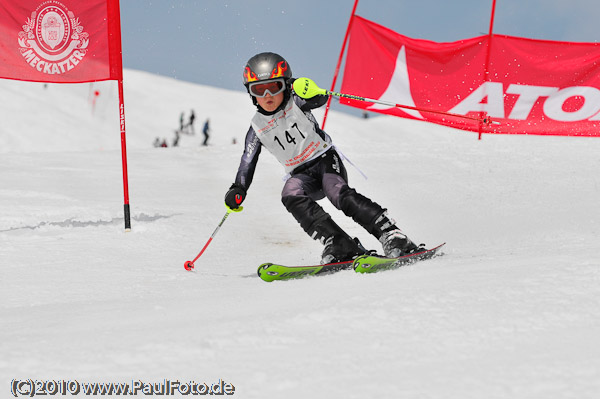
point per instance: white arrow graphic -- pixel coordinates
(398, 90)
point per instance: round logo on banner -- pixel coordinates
(52, 40)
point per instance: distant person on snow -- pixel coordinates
(314, 166)
(176, 139)
(191, 123)
(205, 130)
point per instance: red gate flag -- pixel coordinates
(533, 87)
(66, 41)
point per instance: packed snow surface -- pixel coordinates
(512, 309)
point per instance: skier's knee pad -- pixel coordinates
(294, 203)
(293, 187)
(305, 210)
(360, 208)
(333, 186)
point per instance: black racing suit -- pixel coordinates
(313, 180)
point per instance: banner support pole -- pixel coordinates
(486, 70)
(116, 65)
(337, 68)
(127, 213)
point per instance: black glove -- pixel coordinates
(235, 196)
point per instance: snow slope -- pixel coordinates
(511, 311)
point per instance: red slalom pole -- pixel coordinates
(189, 265)
(127, 212)
(116, 73)
(337, 68)
(486, 68)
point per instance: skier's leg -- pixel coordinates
(299, 196)
(376, 221)
(363, 211)
(355, 205)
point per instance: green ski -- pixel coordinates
(363, 264)
(376, 263)
(271, 271)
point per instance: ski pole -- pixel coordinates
(307, 88)
(189, 265)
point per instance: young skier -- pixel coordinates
(285, 126)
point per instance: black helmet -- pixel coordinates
(266, 66)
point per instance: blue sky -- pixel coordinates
(209, 41)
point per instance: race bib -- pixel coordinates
(290, 136)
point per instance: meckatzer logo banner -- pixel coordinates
(534, 86)
(53, 40)
(59, 41)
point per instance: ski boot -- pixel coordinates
(340, 248)
(394, 242)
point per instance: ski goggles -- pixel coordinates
(273, 87)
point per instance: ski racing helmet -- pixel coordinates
(264, 67)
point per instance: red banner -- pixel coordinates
(66, 41)
(533, 87)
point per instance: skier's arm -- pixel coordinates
(314, 102)
(249, 160)
(305, 103)
(237, 192)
